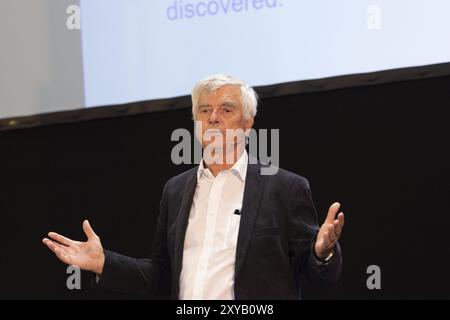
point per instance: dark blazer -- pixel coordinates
(274, 248)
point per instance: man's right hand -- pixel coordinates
(86, 255)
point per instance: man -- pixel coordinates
(225, 230)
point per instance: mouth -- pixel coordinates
(213, 134)
(213, 131)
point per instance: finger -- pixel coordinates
(88, 230)
(57, 249)
(325, 239)
(332, 212)
(331, 233)
(337, 229)
(61, 239)
(339, 224)
(53, 245)
(341, 219)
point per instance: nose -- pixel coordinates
(214, 117)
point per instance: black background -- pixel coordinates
(380, 150)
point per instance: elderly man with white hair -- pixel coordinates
(225, 231)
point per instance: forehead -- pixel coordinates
(229, 93)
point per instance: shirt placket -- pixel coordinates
(211, 218)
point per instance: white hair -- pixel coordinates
(249, 98)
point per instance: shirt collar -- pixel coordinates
(239, 168)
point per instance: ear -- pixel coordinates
(249, 123)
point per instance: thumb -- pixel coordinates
(88, 230)
(332, 212)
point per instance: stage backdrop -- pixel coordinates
(379, 150)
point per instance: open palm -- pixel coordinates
(329, 232)
(87, 255)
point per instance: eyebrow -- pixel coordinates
(228, 104)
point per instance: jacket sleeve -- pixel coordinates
(141, 276)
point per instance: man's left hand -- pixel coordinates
(329, 232)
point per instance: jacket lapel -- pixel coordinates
(252, 198)
(181, 226)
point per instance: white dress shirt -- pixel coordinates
(210, 244)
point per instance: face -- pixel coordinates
(221, 110)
